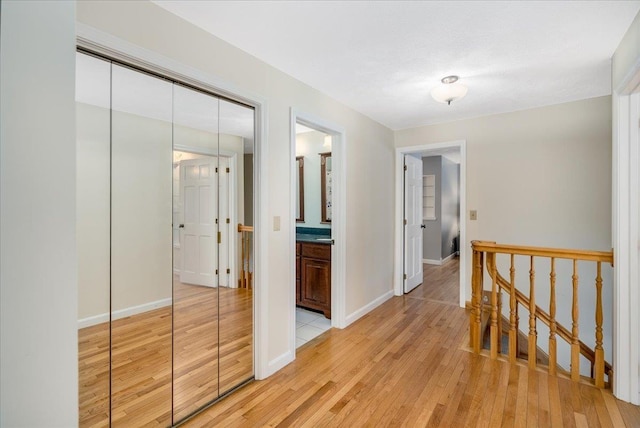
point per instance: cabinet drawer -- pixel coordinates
(316, 251)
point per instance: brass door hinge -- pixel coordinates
(216, 271)
(228, 170)
(404, 276)
(228, 270)
(405, 167)
(228, 220)
(219, 238)
(405, 221)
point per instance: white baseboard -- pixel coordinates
(94, 320)
(368, 308)
(449, 257)
(123, 313)
(278, 363)
(439, 262)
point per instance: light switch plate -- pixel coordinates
(473, 215)
(276, 223)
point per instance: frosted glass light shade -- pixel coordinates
(447, 92)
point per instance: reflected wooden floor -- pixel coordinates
(403, 365)
(142, 358)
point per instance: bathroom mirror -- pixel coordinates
(325, 187)
(300, 189)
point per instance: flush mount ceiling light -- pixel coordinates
(449, 90)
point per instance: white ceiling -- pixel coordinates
(382, 58)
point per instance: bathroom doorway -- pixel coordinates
(317, 228)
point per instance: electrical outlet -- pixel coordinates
(473, 215)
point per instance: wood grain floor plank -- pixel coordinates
(405, 363)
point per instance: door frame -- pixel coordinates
(625, 237)
(338, 219)
(463, 245)
(111, 46)
(233, 199)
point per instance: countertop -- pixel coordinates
(313, 238)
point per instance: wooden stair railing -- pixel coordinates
(246, 274)
(487, 251)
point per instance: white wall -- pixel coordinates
(38, 262)
(450, 203)
(627, 54)
(141, 210)
(93, 199)
(432, 232)
(309, 145)
(369, 153)
(539, 177)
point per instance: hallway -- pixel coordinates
(403, 365)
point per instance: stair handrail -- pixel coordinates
(481, 248)
(562, 331)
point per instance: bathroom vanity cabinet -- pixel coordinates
(313, 276)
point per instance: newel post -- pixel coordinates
(475, 318)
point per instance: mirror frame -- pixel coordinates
(300, 163)
(324, 218)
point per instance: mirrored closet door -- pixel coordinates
(164, 188)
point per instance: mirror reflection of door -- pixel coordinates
(198, 195)
(164, 172)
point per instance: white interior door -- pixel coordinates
(198, 190)
(413, 222)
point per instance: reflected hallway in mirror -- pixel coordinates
(165, 233)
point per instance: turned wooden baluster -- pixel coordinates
(499, 318)
(513, 315)
(575, 344)
(553, 358)
(533, 335)
(599, 369)
(494, 306)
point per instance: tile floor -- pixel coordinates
(309, 325)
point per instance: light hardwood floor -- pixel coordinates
(403, 365)
(142, 358)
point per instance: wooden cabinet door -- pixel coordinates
(315, 284)
(298, 274)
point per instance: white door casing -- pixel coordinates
(198, 241)
(413, 222)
